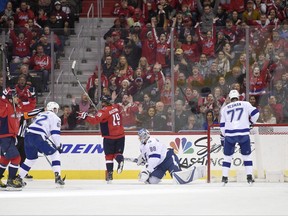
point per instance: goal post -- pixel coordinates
(269, 144)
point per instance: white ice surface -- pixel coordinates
(130, 197)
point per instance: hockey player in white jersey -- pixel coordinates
(236, 119)
(158, 159)
(43, 136)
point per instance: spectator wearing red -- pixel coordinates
(116, 44)
(21, 45)
(123, 8)
(258, 81)
(138, 16)
(230, 6)
(196, 79)
(23, 14)
(208, 42)
(91, 79)
(229, 31)
(277, 108)
(155, 80)
(191, 49)
(41, 63)
(163, 46)
(25, 92)
(128, 110)
(149, 45)
(279, 8)
(166, 93)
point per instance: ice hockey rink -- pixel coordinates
(130, 197)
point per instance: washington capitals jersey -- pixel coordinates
(236, 118)
(154, 153)
(110, 121)
(47, 124)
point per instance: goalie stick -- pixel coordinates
(135, 160)
(73, 71)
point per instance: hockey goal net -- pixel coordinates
(269, 143)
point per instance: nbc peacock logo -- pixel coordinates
(182, 145)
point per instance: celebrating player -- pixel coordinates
(236, 119)
(158, 159)
(112, 131)
(10, 113)
(43, 135)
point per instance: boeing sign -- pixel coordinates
(82, 148)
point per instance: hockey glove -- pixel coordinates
(141, 161)
(9, 93)
(31, 92)
(82, 115)
(60, 148)
(222, 139)
(144, 176)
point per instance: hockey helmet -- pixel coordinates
(106, 99)
(234, 94)
(53, 106)
(144, 135)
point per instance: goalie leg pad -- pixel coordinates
(187, 176)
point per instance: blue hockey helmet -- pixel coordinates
(106, 99)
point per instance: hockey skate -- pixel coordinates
(18, 178)
(2, 185)
(14, 185)
(224, 180)
(250, 180)
(120, 167)
(109, 177)
(28, 177)
(58, 180)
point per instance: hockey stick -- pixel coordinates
(73, 71)
(134, 160)
(47, 160)
(7, 63)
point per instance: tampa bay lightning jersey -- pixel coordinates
(48, 125)
(236, 118)
(154, 153)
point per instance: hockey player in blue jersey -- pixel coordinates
(43, 136)
(236, 119)
(158, 159)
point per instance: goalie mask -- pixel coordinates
(144, 135)
(52, 106)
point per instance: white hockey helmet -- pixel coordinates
(53, 106)
(144, 135)
(234, 94)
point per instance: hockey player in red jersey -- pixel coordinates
(112, 132)
(11, 109)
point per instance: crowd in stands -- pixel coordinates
(28, 25)
(194, 51)
(208, 39)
